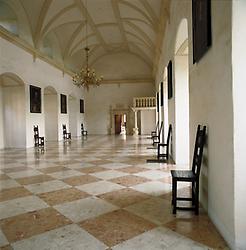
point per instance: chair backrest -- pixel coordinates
(161, 127)
(64, 129)
(169, 134)
(36, 132)
(82, 127)
(157, 127)
(198, 150)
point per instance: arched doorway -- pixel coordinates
(73, 110)
(51, 114)
(181, 90)
(13, 112)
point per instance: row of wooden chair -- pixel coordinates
(192, 175)
(39, 140)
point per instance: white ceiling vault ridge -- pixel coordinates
(124, 36)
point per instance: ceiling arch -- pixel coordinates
(57, 28)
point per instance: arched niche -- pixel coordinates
(181, 95)
(13, 111)
(51, 113)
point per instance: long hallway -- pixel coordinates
(96, 193)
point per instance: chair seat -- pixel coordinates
(185, 175)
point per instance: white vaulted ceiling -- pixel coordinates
(124, 35)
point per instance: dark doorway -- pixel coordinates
(117, 122)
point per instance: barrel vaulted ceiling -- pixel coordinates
(124, 36)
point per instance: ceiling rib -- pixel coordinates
(115, 6)
(149, 9)
(53, 19)
(41, 18)
(139, 31)
(71, 40)
(138, 10)
(91, 23)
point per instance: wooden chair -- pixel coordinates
(190, 175)
(83, 132)
(66, 135)
(165, 145)
(38, 140)
(156, 138)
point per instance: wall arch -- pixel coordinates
(13, 112)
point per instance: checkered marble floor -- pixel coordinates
(95, 194)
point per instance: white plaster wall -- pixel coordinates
(73, 105)
(99, 100)
(38, 73)
(147, 121)
(1, 119)
(14, 117)
(181, 97)
(239, 90)
(210, 88)
(51, 117)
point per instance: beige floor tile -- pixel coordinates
(34, 179)
(124, 197)
(4, 177)
(65, 174)
(5, 184)
(16, 169)
(80, 180)
(156, 239)
(198, 228)
(13, 193)
(26, 225)
(53, 169)
(83, 209)
(153, 174)
(99, 187)
(24, 173)
(70, 237)
(47, 186)
(155, 188)
(7, 247)
(109, 174)
(20, 205)
(133, 170)
(90, 170)
(129, 180)
(155, 210)
(62, 196)
(116, 227)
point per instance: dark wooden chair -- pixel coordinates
(156, 138)
(190, 175)
(83, 131)
(38, 140)
(66, 135)
(165, 155)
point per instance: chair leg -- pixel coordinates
(174, 196)
(193, 194)
(197, 198)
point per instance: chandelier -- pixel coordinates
(86, 76)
